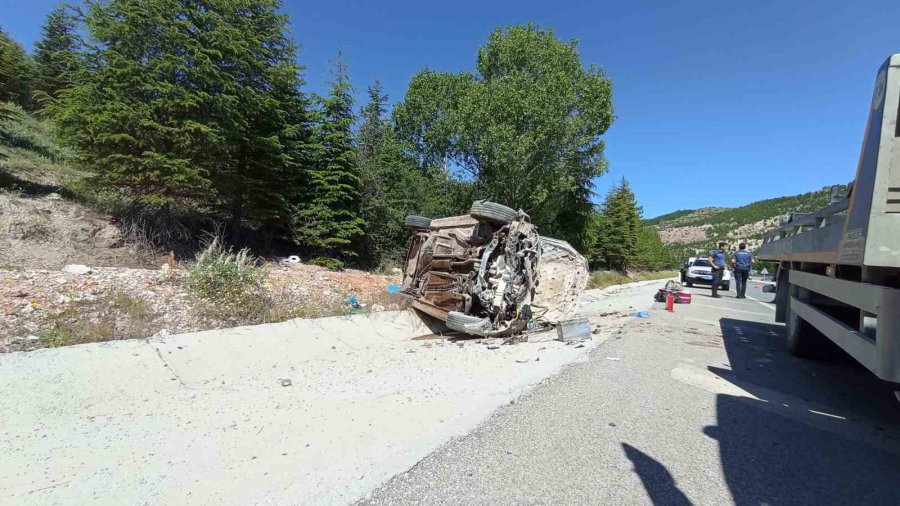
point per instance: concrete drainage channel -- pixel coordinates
(305, 411)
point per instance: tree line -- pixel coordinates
(199, 109)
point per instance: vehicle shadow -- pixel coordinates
(803, 432)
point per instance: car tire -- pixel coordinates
(726, 286)
(688, 284)
(414, 222)
(491, 211)
(461, 321)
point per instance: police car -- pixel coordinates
(698, 271)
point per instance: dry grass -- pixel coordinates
(603, 279)
(119, 316)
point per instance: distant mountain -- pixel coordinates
(700, 229)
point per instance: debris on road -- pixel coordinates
(286, 382)
(578, 329)
(642, 314)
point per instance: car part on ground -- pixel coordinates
(489, 273)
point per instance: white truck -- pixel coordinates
(839, 268)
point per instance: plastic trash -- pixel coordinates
(393, 288)
(642, 314)
(354, 302)
(293, 259)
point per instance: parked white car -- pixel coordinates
(699, 271)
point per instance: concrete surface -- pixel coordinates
(699, 406)
(205, 418)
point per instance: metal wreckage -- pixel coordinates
(489, 273)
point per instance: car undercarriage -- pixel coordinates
(490, 273)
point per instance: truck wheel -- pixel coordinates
(414, 222)
(803, 340)
(491, 211)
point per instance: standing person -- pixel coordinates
(743, 261)
(719, 262)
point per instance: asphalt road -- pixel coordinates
(699, 406)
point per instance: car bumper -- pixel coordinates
(701, 281)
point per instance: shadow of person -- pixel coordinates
(657, 480)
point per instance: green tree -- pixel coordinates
(182, 102)
(16, 72)
(392, 186)
(524, 129)
(650, 252)
(328, 222)
(620, 228)
(57, 53)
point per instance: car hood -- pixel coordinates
(563, 276)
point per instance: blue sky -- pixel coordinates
(718, 103)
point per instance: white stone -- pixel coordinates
(77, 269)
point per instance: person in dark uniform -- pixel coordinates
(718, 259)
(743, 262)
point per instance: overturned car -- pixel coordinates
(489, 273)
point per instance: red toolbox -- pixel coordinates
(683, 297)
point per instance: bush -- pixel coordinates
(329, 263)
(603, 279)
(220, 274)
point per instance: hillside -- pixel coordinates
(699, 229)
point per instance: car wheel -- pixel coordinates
(726, 286)
(465, 323)
(688, 284)
(417, 222)
(491, 211)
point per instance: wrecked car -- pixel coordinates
(489, 273)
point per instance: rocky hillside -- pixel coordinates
(699, 229)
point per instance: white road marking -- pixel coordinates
(766, 305)
(859, 429)
(700, 320)
(728, 309)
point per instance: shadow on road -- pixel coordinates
(778, 447)
(657, 480)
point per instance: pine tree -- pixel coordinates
(393, 186)
(650, 252)
(621, 226)
(56, 55)
(16, 72)
(372, 128)
(190, 104)
(327, 222)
